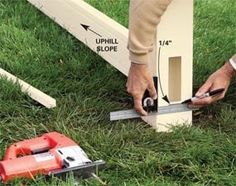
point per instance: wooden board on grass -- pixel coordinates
(34, 93)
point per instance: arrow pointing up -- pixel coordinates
(86, 27)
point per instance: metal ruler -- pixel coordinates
(129, 114)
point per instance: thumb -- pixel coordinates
(152, 90)
(204, 88)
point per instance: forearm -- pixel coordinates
(144, 17)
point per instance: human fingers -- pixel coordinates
(204, 88)
(138, 104)
(206, 101)
(152, 90)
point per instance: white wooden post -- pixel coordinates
(88, 24)
(175, 50)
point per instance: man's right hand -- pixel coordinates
(219, 79)
(140, 80)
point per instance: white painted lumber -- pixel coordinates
(34, 93)
(176, 25)
(69, 14)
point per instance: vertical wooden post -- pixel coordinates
(172, 61)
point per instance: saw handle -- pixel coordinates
(44, 143)
(27, 147)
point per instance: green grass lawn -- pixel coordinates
(35, 49)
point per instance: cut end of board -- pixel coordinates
(167, 122)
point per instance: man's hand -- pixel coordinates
(219, 79)
(140, 80)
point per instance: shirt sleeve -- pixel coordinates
(234, 58)
(144, 16)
